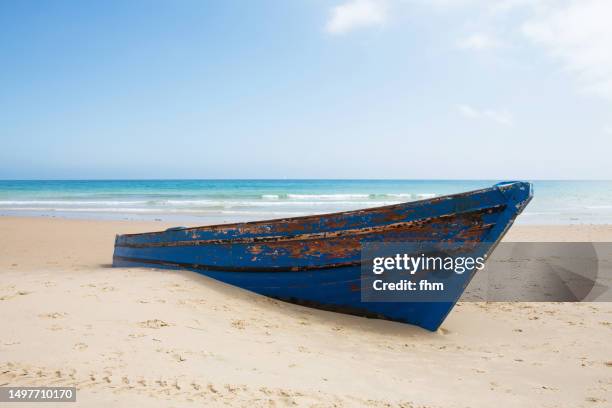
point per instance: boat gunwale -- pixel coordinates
(321, 235)
(214, 227)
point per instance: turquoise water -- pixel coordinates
(212, 201)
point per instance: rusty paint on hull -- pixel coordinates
(321, 254)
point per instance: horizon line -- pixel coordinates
(293, 179)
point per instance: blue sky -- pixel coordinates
(471, 89)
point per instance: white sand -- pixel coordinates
(136, 337)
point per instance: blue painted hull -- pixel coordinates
(315, 260)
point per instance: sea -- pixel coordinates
(220, 201)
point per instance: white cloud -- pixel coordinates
(504, 6)
(579, 34)
(447, 4)
(468, 111)
(608, 129)
(356, 14)
(575, 33)
(489, 6)
(478, 41)
(502, 117)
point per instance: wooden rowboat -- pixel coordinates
(315, 260)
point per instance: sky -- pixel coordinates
(407, 89)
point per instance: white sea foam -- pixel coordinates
(400, 195)
(70, 202)
(277, 205)
(194, 203)
(305, 203)
(327, 196)
(178, 204)
(272, 213)
(82, 209)
(265, 200)
(132, 210)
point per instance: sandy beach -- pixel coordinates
(131, 337)
(439, 167)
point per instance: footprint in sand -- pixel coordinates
(595, 399)
(239, 324)
(153, 324)
(54, 315)
(179, 358)
(80, 346)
